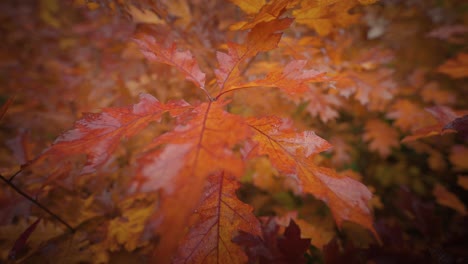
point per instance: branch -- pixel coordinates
(34, 201)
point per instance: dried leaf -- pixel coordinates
(218, 219)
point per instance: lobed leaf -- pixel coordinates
(98, 134)
(155, 50)
(179, 162)
(218, 219)
(381, 137)
(291, 153)
(263, 37)
(292, 79)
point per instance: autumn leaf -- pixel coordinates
(460, 125)
(179, 162)
(291, 153)
(293, 79)
(20, 243)
(4, 108)
(449, 33)
(444, 116)
(263, 37)
(261, 12)
(324, 16)
(98, 134)
(373, 89)
(125, 231)
(446, 198)
(463, 182)
(408, 115)
(249, 7)
(272, 247)
(381, 137)
(217, 221)
(456, 67)
(459, 157)
(157, 50)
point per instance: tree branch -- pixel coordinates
(34, 201)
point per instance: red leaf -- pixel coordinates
(20, 243)
(288, 248)
(98, 134)
(292, 245)
(4, 108)
(460, 125)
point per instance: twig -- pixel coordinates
(34, 201)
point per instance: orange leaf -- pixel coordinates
(179, 162)
(381, 136)
(323, 16)
(446, 198)
(98, 134)
(463, 182)
(250, 6)
(291, 153)
(459, 157)
(444, 116)
(267, 12)
(456, 67)
(292, 79)
(155, 50)
(408, 115)
(216, 222)
(263, 37)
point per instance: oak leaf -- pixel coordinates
(293, 79)
(263, 37)
(157, 50)
(98, 134)
(456, 67)
(178, 163)
(381, 137)
(324, 16)
(265, 13)
(217, 220)
(445, 119)
(291, 153)
(272, 247)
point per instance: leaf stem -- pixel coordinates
(34, 201)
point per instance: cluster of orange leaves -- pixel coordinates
(194, 162)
